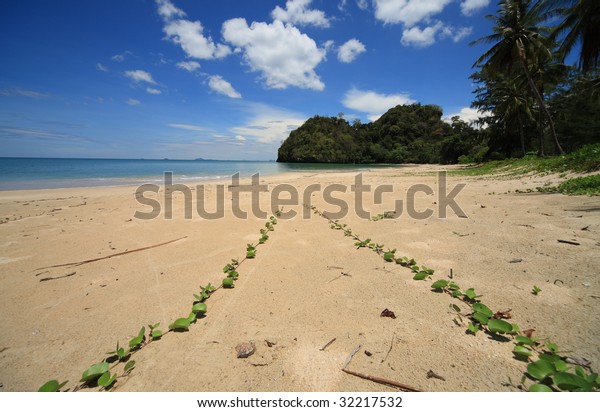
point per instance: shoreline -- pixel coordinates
(292, 294)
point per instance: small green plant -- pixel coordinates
(228, 283)
(139, 339)
(381, 216)
(120, 352)
(155, 334)
(536, 290)
(250, 251)
(389, 255)
(363, 243)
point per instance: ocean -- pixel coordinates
(48, 173)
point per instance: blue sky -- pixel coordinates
(225, 79)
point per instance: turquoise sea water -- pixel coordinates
(43, 173)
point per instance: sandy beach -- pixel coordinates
(307, 285)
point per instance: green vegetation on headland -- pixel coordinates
(529, 99)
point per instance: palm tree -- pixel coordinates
(512, 104)
(581, 25)
(519, 37)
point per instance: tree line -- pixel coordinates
(530, 100)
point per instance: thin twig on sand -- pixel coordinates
(58, 277)
(327, 344)
(111, 256)
(383, 381)
(390, 349)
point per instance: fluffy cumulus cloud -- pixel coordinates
(167, 10)
(350, 50)
(418, 37)
(469, 7)
(373, 103)
(189, 35)
(133, 102)
(298, 13)
(150, 90)
(140, 76)
(407, 12)
(280, 52)
(222, 86)
(467, 114)
(190, 66)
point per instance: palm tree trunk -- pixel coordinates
(541, 135)
(521, 133)
(540, 100)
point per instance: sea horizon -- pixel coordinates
(30, 173)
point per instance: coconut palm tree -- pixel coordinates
(581, 25)
(519, 37)
(512, 104)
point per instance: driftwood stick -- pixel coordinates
(569, 242)
(383, 381)
(111, 256)
(58, 277)
(349, 358)
(327, 344)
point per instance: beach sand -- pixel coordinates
(292, 299)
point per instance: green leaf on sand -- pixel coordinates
(571, 382)
(180, 324)
(499, 326)
(538, 387)
(540, 369)
(94, 371)
(52, 386)
(439, 284)
(106, 380)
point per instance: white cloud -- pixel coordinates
(342, 5)
(121, 57)
(350, 50)
(268, 124)
(140, 76)
(153, 91)
(133, 102)
(284, 56)
(298, 13)
(101, 67)
(188, 35)
(222, 86)
(467, 114)
(167, 10)
(190, 66)
(459, 34)
(420, 38)
(191, 127)
(469, 7)
(417, 37)
(373, 103)
(24, 93)
(408, 12)
(240, 138)
(362, 4)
